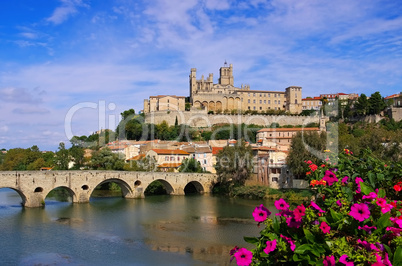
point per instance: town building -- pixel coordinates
(168, 160)
(312, 103)
(164, 103)
(224, 96)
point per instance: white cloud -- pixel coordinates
(68, 8)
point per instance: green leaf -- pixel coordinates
(303, 248)
(380, 177)
(384, 221)
(336, 215)
(309, 236)
(251, 240)
(366, 189)
(371, 178)
(276, 225)
(348, 192)
(397, 256)
(381, 193)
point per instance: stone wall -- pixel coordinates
(395, 113)
(200, 118)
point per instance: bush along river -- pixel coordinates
(157, 230)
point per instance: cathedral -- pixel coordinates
(225, 97)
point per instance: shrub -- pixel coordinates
(354, 219)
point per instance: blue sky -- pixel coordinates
(72, 66)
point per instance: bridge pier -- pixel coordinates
(34, 201)
(178, 191)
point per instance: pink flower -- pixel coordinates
(343, 259)
(381, 202)
(367, 228)
(330, 177)
(315, 206)
(299, 212)
(290, 242)
(345, 179)
(261, 213)
(387, 208)
(271, 246)
(309, 162)
(243, 257)
(358, 180)
(339, 203)
(371, 196)
(360, 211)
(281, 204)
(397, 220)
(329, 261)
(292, 222)
(325, 227)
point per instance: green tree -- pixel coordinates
(105, 159)
(190, 165)
(126, 114)
(376, 103)
(361, 105)
(62, 157)
(234, 164)
(77, 155)
(14, 160)
(298, 152)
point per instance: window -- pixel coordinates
(172, 158)
(275, 180)
(178, 158)
(279, 101)
(253, 94)
(205, 161)
(265, 101)
(269, 101)
(260, 101)
(254, 107)
(253, 101)
(269, 94)
(275, 101)
(275, 95)
(248, 100)
(166, 158)
(260, 108)
(260, 95)
(205, 155)
(249, 108)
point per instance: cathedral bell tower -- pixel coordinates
(226, 75)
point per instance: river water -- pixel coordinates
(156, 230)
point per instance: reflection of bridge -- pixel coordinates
(33, 186)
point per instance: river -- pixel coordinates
(156, 230)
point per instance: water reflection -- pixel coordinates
(181, 230)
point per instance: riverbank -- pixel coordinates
(263, 192)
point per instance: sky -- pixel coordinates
(70, 67)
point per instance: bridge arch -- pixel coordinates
(71, 193)
(168, 187)
(194, 185)
(125, 187)
(20, 193)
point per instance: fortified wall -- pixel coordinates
(200, 118)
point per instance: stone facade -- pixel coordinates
(164, 103)
(225, 96)
(33, 186)
(201, 118)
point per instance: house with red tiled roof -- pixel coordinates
(168, 160)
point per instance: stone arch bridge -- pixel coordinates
(33, 186)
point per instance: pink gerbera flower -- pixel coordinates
(325, 227)
(261, 213)
(360, 211)
(271, 246)
(281, 204)
(243, 257)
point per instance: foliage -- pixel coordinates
(62, 157)
(264, 192)
(354, 220)
(299, 150)
(105, 159)
(19, 159)
(376, 103)
(190, 165)
(234, 164)
(155, 188)
(146, 164)
(361, 106)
